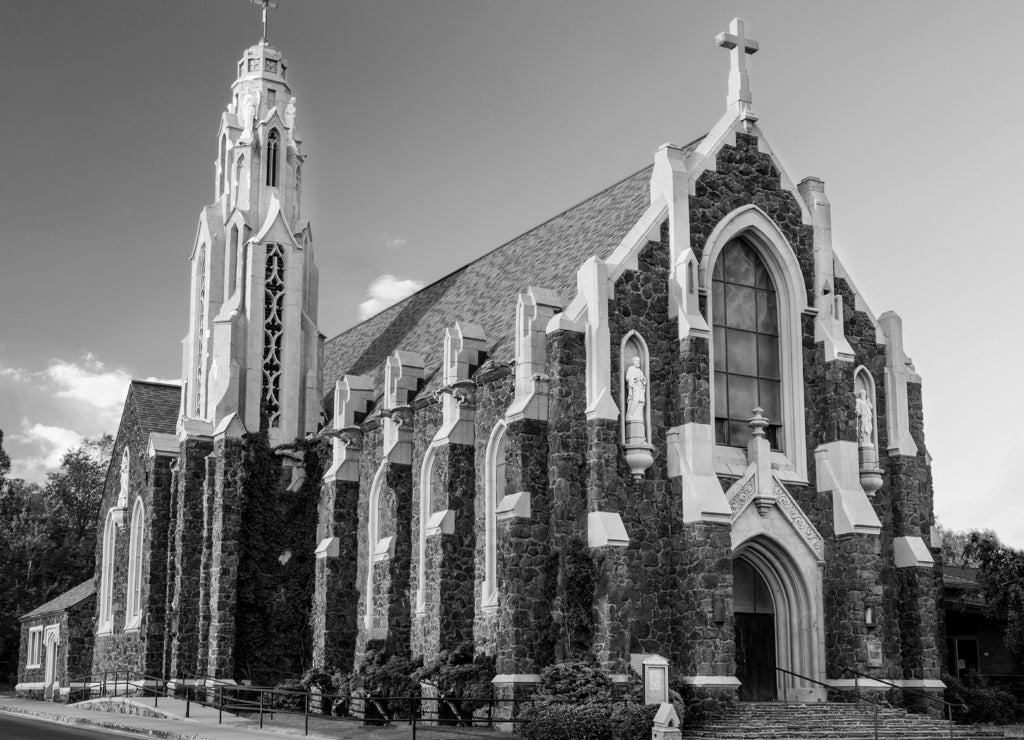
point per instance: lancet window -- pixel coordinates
(273, 330)
(273, 146)
(745, 319)
(198, 406)
(134, 604)
(494, 486)
(106, 605)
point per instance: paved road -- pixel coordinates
(25, 728)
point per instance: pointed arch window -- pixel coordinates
(745, 320)
(380, 547)
(273, 147)
(133, 612)
(494, 491)
(106, 605)
(430, 494)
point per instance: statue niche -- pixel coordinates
(867, 438)
(635, 401)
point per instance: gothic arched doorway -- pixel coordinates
(778, 623)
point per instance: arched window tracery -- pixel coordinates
(273, 147)
(106, 594)
(746, 336)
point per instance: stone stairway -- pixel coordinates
(776, 721)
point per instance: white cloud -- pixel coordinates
(385, 291)
(51, 442)
(19, 374)
(90, 383)
(394, 242)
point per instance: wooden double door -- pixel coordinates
(755, 656)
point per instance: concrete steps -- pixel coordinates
(775, 721)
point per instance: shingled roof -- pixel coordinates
(485, 291)
(65, 601)
(156, 404)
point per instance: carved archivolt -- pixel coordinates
(744, 492)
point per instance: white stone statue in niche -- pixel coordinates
(248, 105)
(636, 402)
(865, 420)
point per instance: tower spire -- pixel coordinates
(266, 5)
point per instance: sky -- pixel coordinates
(437, 130)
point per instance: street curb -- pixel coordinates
(101, 722)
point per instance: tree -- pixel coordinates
(1001, 577)
(955, 551)
(47, 537)
(5, 461)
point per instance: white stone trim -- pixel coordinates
(353, 394)
(534, 310)
(385, 549)
(726, 681)
(935, 537)
(779, 258)
(425, 502)
(911, 552)
(441, 522)
(105, 600)
(745, 493)
(899, 371)
(690, 456)
(402, 374)
(496, 445)
(876, 685)
(838, 468)
(133, 597)
(506, 678)
(372, 532)
(605, 529)
(34, 645)
(592, 285)
(32, 685)
(328, 548)
(162, 444)
(464, 345)
(514, 506)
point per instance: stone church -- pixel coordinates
(662, 423)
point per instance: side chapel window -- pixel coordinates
(106, 616)
(745, 319)
(494, 486)
(134, 606)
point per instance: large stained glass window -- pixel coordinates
(745, 319)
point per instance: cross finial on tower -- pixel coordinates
(267, 4)
(736, 41)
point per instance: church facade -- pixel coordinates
(664, 422)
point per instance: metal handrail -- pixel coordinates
(948, 705)
(856, 694)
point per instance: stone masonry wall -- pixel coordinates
(334, 616)
(494, 394)
(188, 544)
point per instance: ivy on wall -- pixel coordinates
(276, 564)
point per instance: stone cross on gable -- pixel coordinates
(736, 41)
(267, 4)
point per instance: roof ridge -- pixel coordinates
(495, 249)
(161, 383)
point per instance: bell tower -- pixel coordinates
(250, 358)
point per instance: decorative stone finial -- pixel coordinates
(758, 423)
(736, 41)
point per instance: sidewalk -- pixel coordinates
(202, 724)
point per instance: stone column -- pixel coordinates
(206, 565)
(229, 494)
(392, 607)
(188, 544)
(161, 495)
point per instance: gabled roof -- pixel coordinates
(156, 404)
(66, 600)
(485, 291)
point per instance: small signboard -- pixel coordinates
(874, 652)
(655, 679)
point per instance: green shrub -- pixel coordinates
(459, 674)
(984, 703)
(384, 675)
(292, 700)
(696, 705)
(561, 720)
(633, 721)
(574, 681)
